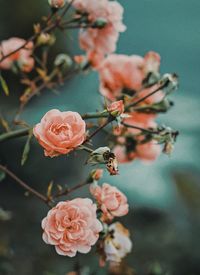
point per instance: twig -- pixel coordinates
(24, 185)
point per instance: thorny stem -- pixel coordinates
(24, 185)
(70, 190)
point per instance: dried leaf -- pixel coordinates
(49, 189)
(41, 73)
(4, 85)
(26, 149)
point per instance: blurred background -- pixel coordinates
(164, 197)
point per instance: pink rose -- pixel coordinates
(122, 72)
(148, 152)
(118, 72)
(60, 132)
(22, 57)
(72, 226)
(113, 202)
(98, 42)
(116, 108)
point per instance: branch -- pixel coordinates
(24, 185)
(145, 97)
(25, 131)
(45, 29)
(68, 191)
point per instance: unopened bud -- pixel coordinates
(63, 60)
(116, 108)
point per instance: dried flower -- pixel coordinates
(117, 243)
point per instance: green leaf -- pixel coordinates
(26, 149)
(2, 175)
(4, 85)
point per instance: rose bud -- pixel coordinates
(116, 108)
(96, 174)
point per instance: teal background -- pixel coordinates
(164, 196)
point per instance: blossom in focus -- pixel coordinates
(100, 41)
(57, 3)
(72, 226)
(116, 108)
(119, 73)
(60, 132)
(111, 200)
(117, 243)
(22, 57)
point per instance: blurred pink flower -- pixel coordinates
(122, 155)
(22, 57)
(60, 132)
(72, 226)
(149, 151)
(100, 41)
(118, 72)
(112, 202)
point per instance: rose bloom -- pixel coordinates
(117, 244)
(60, 132)
(98, 42)
(118, 72)
(22, 57)
(116, 108)
(72, 226)
(112, 202)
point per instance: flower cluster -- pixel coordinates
(105, 23)
(134, 92)
(72, 226)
